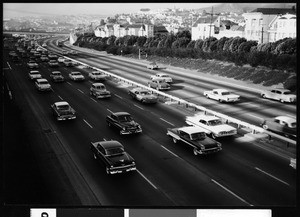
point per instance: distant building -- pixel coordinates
(205, 27)
(259, 21)
(283, 26)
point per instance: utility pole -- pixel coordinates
(211, 15)
(262, 34)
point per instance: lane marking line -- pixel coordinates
(138, 107)
(166, 121)
(80, 91)
(226, 189)
(88, 123)
(146, 179)
(118, 96)
(93, 99)
(169, 151)
(268, 174)
(60, 97)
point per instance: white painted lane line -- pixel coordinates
(166, 121)
(60, 97)
(146, 179)
(93, 99)
(138, 107)
(9, 65)
(109, 111)
(80, 91)
(226, 189)
(268, 174)
(118, 96)
(255, 116)
(169, 151)
(87, 123)
(69, 83)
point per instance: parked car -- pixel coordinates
(112, 154)
(68, 62)
(142, 95)
(196, 138)
(42, 84)
(34, 75)
(97, 76)
(56, 76)
(53, 63)
(32, 64)
(280, 94)
(159, 84)
(44, 58)
(212, 125)
(284, 125)
(152, 65)
(166, 77)
(52, 56)
(76, 76)
(221, 95)
(99, 91)
(60, 59)
(124, 122)
(63, 111)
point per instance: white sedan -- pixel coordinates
(212, 125)
(164, 76)
(221, 95)
(76, 76)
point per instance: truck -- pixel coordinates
(63, 111)
(196, 138)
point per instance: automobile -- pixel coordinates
(280, 94)
(212, 125)
(97, 76)
(159, 84)
(166, 77)
(221, 95)
(53, 63)
(63, 111)
(76, 76)
(99, 91)
(65, 52)
(152, 65)
(37, 54)
(52, 56)
(73, 52)
(293, 163)
(68, 62)
(39, 49)
(112, 154)
(44, 58)
(196, 138)
(124, 122)
(284, 125)
(142, 95)
(32, 64)
(34, 74)
(56, 76)
(60, 59)
(42, 84)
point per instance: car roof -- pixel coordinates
(286, 119)
(41, 79)
(98, 84)
(281, 89)
(191, 129)
(61, 103)
(34, 71)
(207, 117)
(56, 72)
(111, 144)
(120, 113)
(139, 89)
(158, 79)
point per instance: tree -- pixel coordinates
(207, 42)
(169, 40)
(198, 44)
(183, 34)
(221, 42)
(235, 44)
(245, 46)
(141, 41)
(191, 44)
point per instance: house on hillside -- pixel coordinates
(283, 26)
(259, 21)
(104, 30)
(230, 29)
(205, 27)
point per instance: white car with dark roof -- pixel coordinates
(164, 76)
(280, 94)
(221, 95)
(34, 74)
(42, 84)
(76, 76)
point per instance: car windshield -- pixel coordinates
(145, 93)
(214, 122)
(97, 73)
(286, 92)
(114, 151)
(67, 60)
(198, 136)
(56, 73)
(76, 73)
(43, 82)
(34, 72)
(63, 107)
(100, 87)
(125, 118)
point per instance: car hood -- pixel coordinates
(120, 160)
(130, 124)
(222, 128)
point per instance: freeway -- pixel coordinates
(242, 174)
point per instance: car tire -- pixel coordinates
(95, 156)
(265, 126)
(107, 170)
(213, 136)
(263, 96)
(174, 140)
(281, 100)
(220, 100)
(206, 96)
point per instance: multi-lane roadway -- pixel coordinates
(168, 174)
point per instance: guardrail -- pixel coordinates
(241, 124)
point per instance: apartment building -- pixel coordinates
(283, 26)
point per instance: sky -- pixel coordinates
(11, 10)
